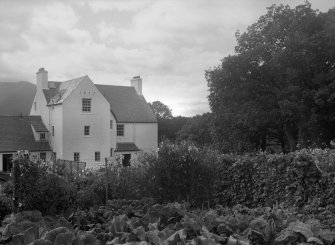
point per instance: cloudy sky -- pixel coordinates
(169, 43)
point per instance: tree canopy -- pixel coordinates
(279, 87)
(160, 110)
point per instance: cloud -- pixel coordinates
(169, 43)
(125, 5)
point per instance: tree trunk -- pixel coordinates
(290, 136)
(302, 137)
(263, 141)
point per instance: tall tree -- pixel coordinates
(280, 82)
(197, 129)
(160, 110)
(168, 126)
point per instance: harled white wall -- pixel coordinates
(74, 121)
(56, 120)
(144, 135)
(41, 108)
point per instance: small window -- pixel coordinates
(76, 157)
(35, 106)
(86, 130)
(111, 124)
(97, 156)
(43, 156)
(42, 136)
(120, 130)
(126, 160)
(53, 130)
(111, 153)
(86, 105)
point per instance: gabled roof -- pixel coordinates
(129, 146)
(52, 91)
(65, 89)
(126, 105)
(38, 125)
(16, 134)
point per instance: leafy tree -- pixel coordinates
(168, 128)
(197, 130)
(160, 110)
(280, 83)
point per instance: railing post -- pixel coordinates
(106, 180)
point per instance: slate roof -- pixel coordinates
(49, 93)
(38, 124)
(16, 134)
(126, 105)
(126, 147)
(64, 90)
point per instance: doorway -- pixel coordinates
(7, 162)
(126, 160)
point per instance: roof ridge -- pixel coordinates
(124, 86)
(81, 77)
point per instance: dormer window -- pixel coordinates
(86, 105)
(42, 136)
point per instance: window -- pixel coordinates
(86, 105)
(97, 156)
(120, 130)
(35, 106)
(43, 156)
(86, 130)
(111, 124)
(76, 157)
(53, 130)
(126, 160)
(111, 152)
(42, 136)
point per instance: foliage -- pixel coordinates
(180, 172)
(37, 188)
(145, 222)
(265, 179)
(168, 128)
(5, 206)
(160, 110)
(197, 130)
(279, 86)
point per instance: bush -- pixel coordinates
(180, 172)
(37, 188)
(265, 179)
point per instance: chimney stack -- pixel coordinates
(136, 82)
(42, 79)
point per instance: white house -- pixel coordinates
(88, 122)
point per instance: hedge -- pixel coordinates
(261, 179)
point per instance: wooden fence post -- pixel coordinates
(106, 180)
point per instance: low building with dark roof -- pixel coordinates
(26, 133)
(88, 122)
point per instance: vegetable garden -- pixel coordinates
(185, 195)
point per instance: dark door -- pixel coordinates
(7, 162)
(126, 159)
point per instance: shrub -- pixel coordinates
(180, 172)
(37, 188)
(265, 179)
